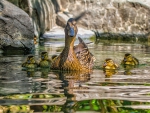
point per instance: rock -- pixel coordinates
(42, 13)
(16, 29)
(62, 19)
(112, 16)
(58, 32)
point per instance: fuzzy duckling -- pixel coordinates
(30, 62)
(109, 67)
(73, 58)
(109, 64)
(129, 60)
(45, 61)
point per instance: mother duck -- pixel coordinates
(73, 58)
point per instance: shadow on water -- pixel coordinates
(125, 90)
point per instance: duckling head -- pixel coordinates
(30, 59)
(44, 55)
(128, 57)
(109, 64)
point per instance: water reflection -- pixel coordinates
(126, 89)
(71, 82)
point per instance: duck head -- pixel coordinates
(70, 33)
(71, 28)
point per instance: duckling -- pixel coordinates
(30, 62)
(45, 61)
(73, 58)
(129, 60)
(109, 67)
(109, 64)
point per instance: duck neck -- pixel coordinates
(69, 42)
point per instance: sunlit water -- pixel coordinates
(43, 90)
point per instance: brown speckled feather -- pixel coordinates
(84, 56)
(67, 60)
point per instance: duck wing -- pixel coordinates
(83, 54)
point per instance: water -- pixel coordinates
(44, 90)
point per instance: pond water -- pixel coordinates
(44, 90)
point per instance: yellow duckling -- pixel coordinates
(129, 60)
(30, 62)
(109, 67)
(45, 61)
(73, 58)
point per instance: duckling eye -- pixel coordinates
(107, 61)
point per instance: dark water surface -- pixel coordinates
(43, 90)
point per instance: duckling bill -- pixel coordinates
(73, 58)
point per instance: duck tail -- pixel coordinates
(80, 40)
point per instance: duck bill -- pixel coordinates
(71, 32)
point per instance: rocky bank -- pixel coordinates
(128, 17)
(112, 16)
(16, 28)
